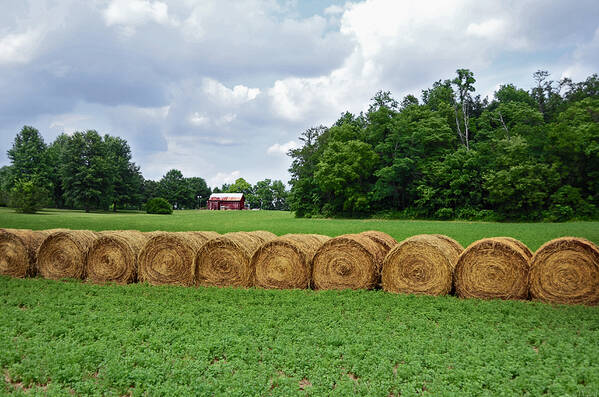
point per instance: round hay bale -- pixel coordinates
(382, 239)
(18, 251)
(520, 245)
(286, 262)
(62, 254)
(167, 258)
(566, 270)
(456, 246)
(112, 256)
(421, 264)
(226, 260)
(350, 261)
(492, 268)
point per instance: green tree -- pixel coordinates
(200, 192)
(126, 180)
(86, 172)
(464, 83)
(305, 195)
(28, 156)
(174, 188)
(28, 196)
(55, 153)
(344, 174)
(5, 182)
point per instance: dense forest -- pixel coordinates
(524, 155)
(88, 171)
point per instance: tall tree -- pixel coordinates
(126, 177)
(175, 189)
(464, 83)
(200, 192)
(86, 171)
(28, 156)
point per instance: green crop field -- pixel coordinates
(71, 337)
(281, 222)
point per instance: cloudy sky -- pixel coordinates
(222, 89)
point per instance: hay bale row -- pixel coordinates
(564, 270)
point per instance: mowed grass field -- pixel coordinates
(71, 337)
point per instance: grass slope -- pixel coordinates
(280, 222)
(61, 337)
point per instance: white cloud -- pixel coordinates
(282, 149)
(235, 96)
(19, 47)
(199, 119)
(333, 10)
(224, 177)
(135, 12)
(490, 28)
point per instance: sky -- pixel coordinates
(222, 89)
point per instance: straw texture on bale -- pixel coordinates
(383, 240)
(18, 251)
(421, 264)
(226, 260)
(566, 270)
(492, 268)
(286, 261)
(62, 254)
(167, 258)
(112, 257)
(350, 261)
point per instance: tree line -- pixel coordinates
(524, 155)
(88, 171)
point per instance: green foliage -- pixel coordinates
(62, 338)
(5, 181)
(158, 205)
(457, 156)
(28, 156)
(28, 196)
(86, 171)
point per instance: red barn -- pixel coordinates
(226, 201)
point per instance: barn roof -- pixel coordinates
(226, 196)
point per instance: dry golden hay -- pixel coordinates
(226, 260)
(112, 257)
(566, 270)
(62, 254)
(382, 239)
(421, 264)
(18, 251)
(350, 261)
(520, 245)
(286, 262)
(457, 246)
(492, 268)
(167, 258)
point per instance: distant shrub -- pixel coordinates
(158, 205)
(28, 197)
(444, 213)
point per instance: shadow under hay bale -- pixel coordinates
(62, 254)
(566, 270)
(112, 257)
(167, 258)
(492, 268)
(350, 261)
(18, 251)
(421, 264)
(226, 260)
(286, 262)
